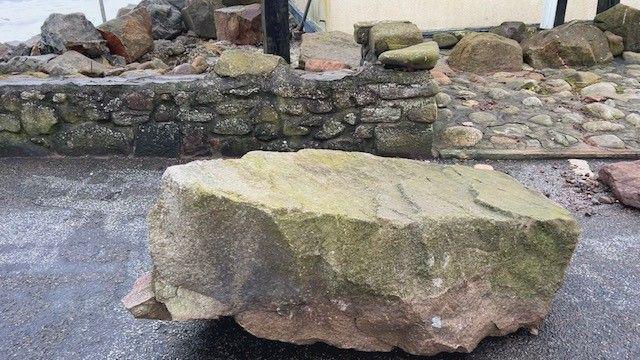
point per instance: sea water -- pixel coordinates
(21, 19)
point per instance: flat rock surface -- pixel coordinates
(73, 241)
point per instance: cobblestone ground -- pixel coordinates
(547, 113)
(73, 240)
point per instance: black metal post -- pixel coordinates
(275, 27)
(304, 17)
(561, 13)
(604, 5)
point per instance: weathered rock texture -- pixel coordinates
(400, 253)
(385, 36)
(199, 15)
(572, 44)
(257, 103)
(334, 46)
(624, 180)
(129, 35)
(486, 53)
(62, 32)
(417, 57)
(241, 25)
(622, 20)
(166, 19)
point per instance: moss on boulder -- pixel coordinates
(355, 250)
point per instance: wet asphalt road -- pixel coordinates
(73, 240)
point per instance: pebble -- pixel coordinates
(532, 101)
(486, 167)
(443, 100)
(497, 93)
(484, 118)
(595, 126)
(510, 110)
(603, 111)
(543, 119)
(633, 119)
(606, 141)
(462, 136)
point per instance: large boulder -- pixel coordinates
(240, 25)
(385, 36)
(62, 32)
(624, 180)
(572, 44)
(129, 35)
(399, 253)
(166, 19)
(330, 45)
(486, 53)
(622, 20)
(417, 57)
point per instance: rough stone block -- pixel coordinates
(158, 139)
(129, 35)
(400, 254)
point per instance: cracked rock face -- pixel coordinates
(354, 250)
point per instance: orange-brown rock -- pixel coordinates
(129, 35)
(241, 25)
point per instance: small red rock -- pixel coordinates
(320, 65)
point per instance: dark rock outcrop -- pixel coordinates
(166, 19)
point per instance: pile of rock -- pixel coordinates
(615, 32)
(396, 44)
(153, 37)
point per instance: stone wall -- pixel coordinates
(375, 110)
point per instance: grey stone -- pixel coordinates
(330, 129)
(443, 100)
(233, 126)
(515, 131)
(542, 119)
(514, 30)
(12, 145)
(606, 141)
(498, 93)
(532, 101)
(89, 138)
(595, 126)
(633, 119)
(476, 53)
(37, 120)
(9, 122)
(402, 139)
(423, 56)
(158, 139)
(484, 118)
(20, 64)
(236, 63)
(622, 20)
(330, 45)
(387, 36)
(381, 114)
(631, 57)
(445, 40)
(462, 136)
(602, 90)
(572, 44)
(72, 63)
(61, 33)
(166, 19)
(603, 111)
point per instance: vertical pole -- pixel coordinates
(604, 5)
(104, 15)
(275, 27)
(561, 13)
(548, 14)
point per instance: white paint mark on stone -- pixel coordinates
(436, 322)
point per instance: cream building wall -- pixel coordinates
(439, 15)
